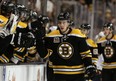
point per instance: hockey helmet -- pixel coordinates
(85, 26)
(21, 9)
(108, 25)
(33, 14)
(7, 7)
(64, 16)
(23, 12)
(43, 19)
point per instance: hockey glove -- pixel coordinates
(90, 71)
(4, 33)
(31, 54)
(38, 29)
(24, 39)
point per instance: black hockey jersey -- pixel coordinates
(107, 48)
(6, 50)
(94, 50)
(69, 54)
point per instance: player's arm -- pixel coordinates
(94, 50)
(42, 48)
(87, 58)
(94, 55)
(32, 55)
(5, 42)
(18, 55)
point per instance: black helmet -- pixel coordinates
(33, 14)
(7, 7)
(21, 8)
(40, 22)
(23, 12)
(44, 19)
(108, 25)
(64, 16)
(86, 26)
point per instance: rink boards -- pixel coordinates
(23, 72)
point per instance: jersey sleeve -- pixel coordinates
(85, 52)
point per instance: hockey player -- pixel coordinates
(67, 50)
(50, 74)
(26, 51)
(41, 20)
(107, 46)
(29, 53)
(20, 50)
(6, 50)
(8, 33)
(85, 29)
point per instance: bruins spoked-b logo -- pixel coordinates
(65, 50)
(108, 51)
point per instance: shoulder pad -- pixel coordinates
(91, 43)
(114, 38)
(3, 20)
(77, 32)
(101, 40)
(22, 25)
(54, 33)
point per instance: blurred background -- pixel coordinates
(94, 12)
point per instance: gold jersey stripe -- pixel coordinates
(16, 55)
(79, 66)
(80, 72)
(86, 52)
(5, 57)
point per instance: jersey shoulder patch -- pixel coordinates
(77, 32)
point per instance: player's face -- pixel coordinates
(63, 25)
(85, 31)
(107, 31)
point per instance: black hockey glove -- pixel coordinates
(90, 71)
(38, 29)
(31, 40)
(24, 39)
